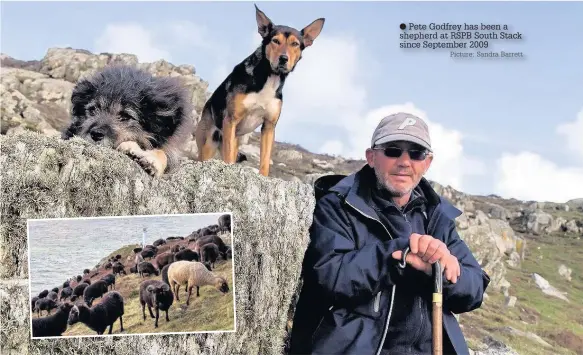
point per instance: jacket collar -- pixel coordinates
(355, 189)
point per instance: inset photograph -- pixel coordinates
(131, 275)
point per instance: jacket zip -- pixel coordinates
(377, 302)
(394, 287)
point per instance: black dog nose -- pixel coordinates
(283, 59)
(97, 135)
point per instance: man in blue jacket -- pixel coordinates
(355, 299)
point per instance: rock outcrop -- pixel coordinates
(45, 177)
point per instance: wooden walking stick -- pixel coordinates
(437, 321)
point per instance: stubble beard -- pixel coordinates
(384, 185)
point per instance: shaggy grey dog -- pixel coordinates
(125, 108)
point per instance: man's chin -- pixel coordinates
(398, 190)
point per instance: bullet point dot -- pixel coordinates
(403, 26)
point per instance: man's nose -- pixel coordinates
(404, 159)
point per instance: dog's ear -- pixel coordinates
(264, 24)
(81, 95)
(311, 31)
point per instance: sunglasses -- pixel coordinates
(396, 152)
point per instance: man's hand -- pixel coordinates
(425, 251)
(428, 248)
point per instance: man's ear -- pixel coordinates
(428, 161)
(264, 24)
(370, 157)
(311, 31)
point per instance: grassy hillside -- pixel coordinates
(558, 322)
(212, 311)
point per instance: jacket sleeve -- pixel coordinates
(347, 275)
(467, 293)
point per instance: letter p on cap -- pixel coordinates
(408, 122)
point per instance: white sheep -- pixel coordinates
(193, 273)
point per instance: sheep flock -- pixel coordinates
(113, 296)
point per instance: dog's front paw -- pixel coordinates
(132, 149)
(153, 163)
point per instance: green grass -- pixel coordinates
(558, 322)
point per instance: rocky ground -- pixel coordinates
(532, 250)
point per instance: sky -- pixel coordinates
(506, 126)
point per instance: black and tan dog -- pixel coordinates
(251, 95)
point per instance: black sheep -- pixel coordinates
(118, 268)
(159, 242)
(146, 268)
(118, 256)
(86, 271)
(55, 289)
(35, 298)
(134, 269)
(164, 273)
(225, 223)
(53, 295)
(107, 266)
(157, 294)
(229, 253)
(148, 253)
(66, 292)
(192, 237)
(43, 294)
(53, 325)
(79, 278)
(137, 250)
(65, 284)
(187, 254)
(109, 280)
(214, 229)
(177, 248)
(164, 259)
(45, 304)
(93, 291)
(101, 316)
(87, 281)
(209, 253)
(152, 247)
(205, 231)
(78, 290)
(211, 239)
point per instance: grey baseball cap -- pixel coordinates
(402, 127)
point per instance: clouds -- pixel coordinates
(131, 38)
(573, 133)
(165, 41)
(528, 176)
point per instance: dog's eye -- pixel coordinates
(275, 40)
(124, 116)
(295, 44)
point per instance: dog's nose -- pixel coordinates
(97, 134)
(283, 59)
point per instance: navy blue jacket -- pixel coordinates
(352, 288)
